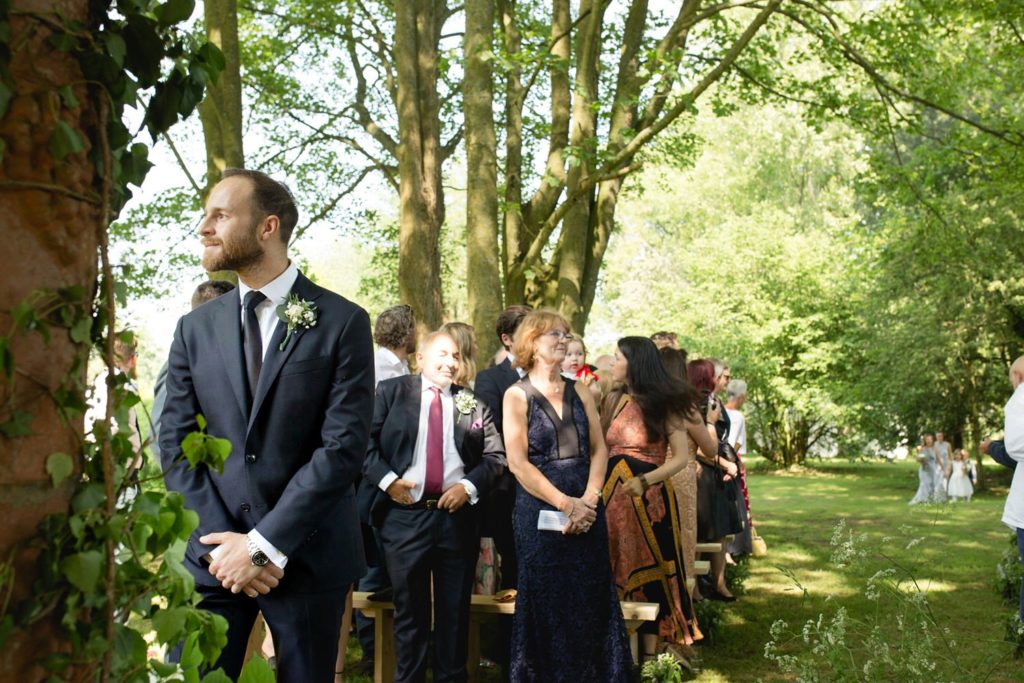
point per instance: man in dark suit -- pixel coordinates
(295, 398)
(491, 385)
(434, 453)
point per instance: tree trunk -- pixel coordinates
(221, 110)
(50, 240)
(421, 196)
(482, 265)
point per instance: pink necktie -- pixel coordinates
(435, 447)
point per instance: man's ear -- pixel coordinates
(270, 228)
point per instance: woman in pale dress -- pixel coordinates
(926, 473)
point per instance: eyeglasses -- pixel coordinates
(558, 334)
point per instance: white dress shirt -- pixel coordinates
(276, 291)
(387, 365)
(454, 468)
(1013, 439)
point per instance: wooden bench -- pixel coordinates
(708, 548)
(481, 607)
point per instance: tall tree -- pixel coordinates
(221, 111)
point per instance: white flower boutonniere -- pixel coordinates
(296, 313)
(465, 401)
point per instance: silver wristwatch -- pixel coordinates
(256, 556)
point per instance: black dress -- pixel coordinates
(718, 501)
(568, 624)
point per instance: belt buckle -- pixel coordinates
(431, 503)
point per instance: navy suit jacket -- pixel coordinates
(295, 453)
(491, 385)
(396, 419)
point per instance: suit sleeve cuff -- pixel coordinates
(387, 480)
(474, 495)
(275, 555)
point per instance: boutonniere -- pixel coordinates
(296, 313)
(465, 401)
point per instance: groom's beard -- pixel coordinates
(236, 253)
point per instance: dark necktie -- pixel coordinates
(253, 338)
(434, 479)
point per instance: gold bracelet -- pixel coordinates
(596, 492)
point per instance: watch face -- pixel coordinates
(260, 559)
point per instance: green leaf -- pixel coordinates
(59, 466)
(218, 675)
(6, 358)
(213, 57)
(64, 140)
(257, 671)
(18, 424)
(80, 330)
(129, 648)
(162, 669)
(174, 11)
(68, 97)
(5, 98)
(90, 496)
(6, 628)
(116, 48)
(83, 569)
(169, 623)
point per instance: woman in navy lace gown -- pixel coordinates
(568, 624)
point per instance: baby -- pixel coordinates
(575, 365)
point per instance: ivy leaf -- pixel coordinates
(19, 424)
(80, 330)
(68, 97)
(83, 569)
(169, 623)
(6, 358)
(116, 48)
(218, 675)
(64, 140)
(256, 671)
(174, 11)
(129, 647)
(213, 57)
(145, 49)
(59, 466)
(6, 628)
(5, 98)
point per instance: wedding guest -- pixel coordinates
(206, 291)
(395, 334)
(959, 478)
(394, 331)
(665, 339)
(428, 476)
(926, 472)
(568, 624)
(644, 418)
(575, 366)
(1010, 453)
(491, 385)
(717, 514)
(465, 340)
(296, 402)
(943, 466)
(736, 396)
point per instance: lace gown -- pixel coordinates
(925, 478)
(644, 535)
(568, 624)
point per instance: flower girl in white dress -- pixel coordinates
(959, 480)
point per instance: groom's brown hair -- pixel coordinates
(272, 198)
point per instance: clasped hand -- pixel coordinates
(452, 499)
(581, 515)
(235, 570)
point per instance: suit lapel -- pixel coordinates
(409, 403)
(460, 421)
(275, 358)
(228, 326)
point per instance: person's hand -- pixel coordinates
(581, 516)
(454, 498)
(731, 469)
(633, 486)
(269, 577)
(399, 489)
(232, 566)
(984, 446)
(592, 497)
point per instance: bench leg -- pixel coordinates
(473, 653)
(384, 647)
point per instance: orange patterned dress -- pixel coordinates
(643, 533)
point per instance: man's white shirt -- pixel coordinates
(454, 468)
(387, 365)
(276, 291)
(1013, 439)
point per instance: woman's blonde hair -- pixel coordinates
(530, 330)
(465, 339)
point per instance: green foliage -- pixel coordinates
(662, 669)
(199, 448)
(1009, 572)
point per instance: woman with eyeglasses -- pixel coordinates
(568, 624)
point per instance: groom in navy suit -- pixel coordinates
(434, 453)
(278, 529)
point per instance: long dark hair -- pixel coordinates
(659, 394)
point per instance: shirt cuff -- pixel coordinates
(474, 495)
(214, 554)
(275, 555)
(387, 481)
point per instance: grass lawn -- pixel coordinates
(954, 564)
(796, 512)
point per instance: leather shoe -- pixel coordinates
(386, 595)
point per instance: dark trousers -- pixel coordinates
(1020, 549)
(304, 626)
(431, 552)
(500, 520)
(376, 579)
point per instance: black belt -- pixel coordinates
(423, 504)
